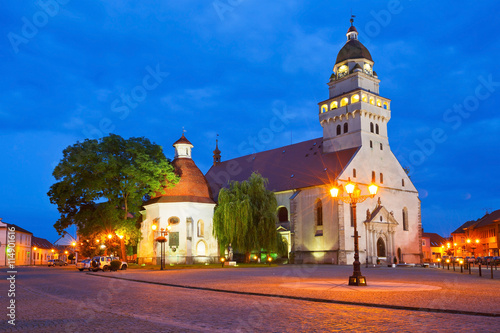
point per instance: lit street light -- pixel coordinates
(354, 196)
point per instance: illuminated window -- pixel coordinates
(371, 127)
(379, 103)
(344, 101)
(343, 71)
(355, 98)
(334, 105)
(364, 98)
(367, 68)
(201, 248)
(372, 101)
(339, 129)
(386, 106)
(324, 108)
(318, 212)
(201, 228)
(376, 128)
(346, 128)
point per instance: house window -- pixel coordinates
(201, 228)
(282, 214)
(405, 219)
(381, 147)
(371, 127)
(376, 128)
(423, 242)
(373, 176)
(402, 182)
(339, 129)
(353, 173)
(371, 144)
(319, 212)
(381, 178)
(346, 128)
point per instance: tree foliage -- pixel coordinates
(101, 184)
(245, 216)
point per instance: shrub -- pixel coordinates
(115, 265)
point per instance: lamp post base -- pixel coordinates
(357, 280)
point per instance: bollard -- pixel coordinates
(469, 270)
(479, 265)
(448, 266)
(453, 265)
(461, 268)
(491, 271)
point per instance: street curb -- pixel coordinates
(311, 299)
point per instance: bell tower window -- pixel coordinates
(343, 71)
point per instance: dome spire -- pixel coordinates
(217, 157)
(352, 33)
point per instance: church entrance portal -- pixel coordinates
(380, 248)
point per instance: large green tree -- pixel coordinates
(101, 184)
(245, 216)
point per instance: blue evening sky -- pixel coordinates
(227, 67)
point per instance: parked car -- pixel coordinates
(470, 260)
(496, 260)
(487, 260)
(479, 260)
(57, 262)
(84, 264)
(103, 263)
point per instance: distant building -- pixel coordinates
(43, 251)
(22, 244)
(433, 247)
(479, 238)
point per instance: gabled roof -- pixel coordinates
(18, 228)
(65, 239)
(41, 243)
(434, 239)
(461, 229)
(488, 219)
(290, 167)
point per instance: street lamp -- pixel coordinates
(34, 256)
(162, 239)
(354, 196)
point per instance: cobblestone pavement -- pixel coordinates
(66, 300)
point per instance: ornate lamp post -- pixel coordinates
(162, 239)
(34, 256)
(354, 196)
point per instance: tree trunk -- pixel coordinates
(123, 250)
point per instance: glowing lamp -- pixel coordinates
(448, 244)
(334, 192)
(74, 243)
(349, 188)
(65, 252)
(154, 227)
(52, 250)
(120, 236)
(439, 259)
(34, 249)
(454, 244)
(169, 227)
(468, 240)
(103, 246)
(373, 189)
(222, 259)
(110, 236)
(97, 240)
(477, 241)
(269, 258)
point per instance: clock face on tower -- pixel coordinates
(367, 68)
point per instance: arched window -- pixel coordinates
(373, 176)
(381, 178)
(371, 127)
(386, 106)
(334, 105)
(372, 101)
(364, 98)
(379, 103)
(339, 129)
(380, 248)
(400, 256)
(353, 173)
(282, 214)
(324, 108)
(201, 248)
(344, 101)
(346, 128)
(354, 98)
(318, 207)
(376, 129)
(405, 219)
(201, 228)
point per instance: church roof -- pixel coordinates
(353, 49)
(192, 186)
(291, 167)
(182, 140)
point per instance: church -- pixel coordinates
(317, 227)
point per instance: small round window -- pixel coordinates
(173, 220)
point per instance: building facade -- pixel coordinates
(354, 147)
(478, 238)
(13, 236)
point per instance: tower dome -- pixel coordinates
(353, 49)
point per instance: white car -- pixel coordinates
(104, 263)
(84, 264)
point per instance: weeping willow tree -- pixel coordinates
(245, 217)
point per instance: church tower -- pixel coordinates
(355, 114)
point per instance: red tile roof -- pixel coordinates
(192, 186)
(488, 219)
(182, 140)
(291, 167)
(41, 243)
(434, 238)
